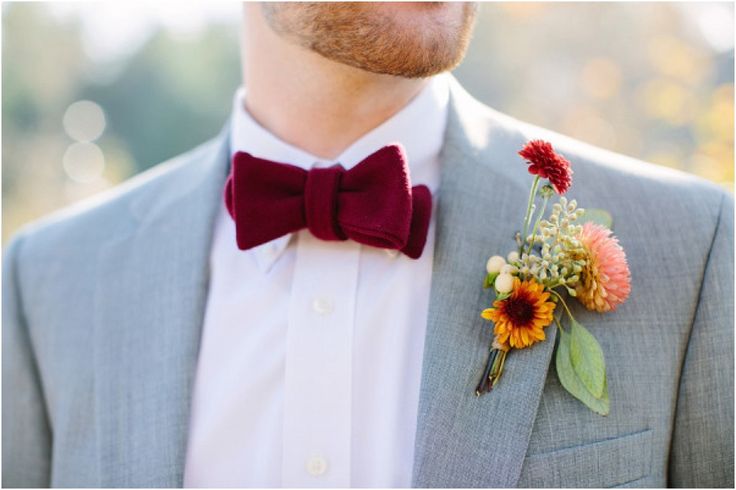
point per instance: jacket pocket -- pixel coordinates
(607, 463)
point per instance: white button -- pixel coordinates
(316, 466)
(323, 306)
(391, 252)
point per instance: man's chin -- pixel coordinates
(409, 40)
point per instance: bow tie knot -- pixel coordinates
(320, 202)
(372, 203)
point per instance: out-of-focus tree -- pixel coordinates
(172, 95)
(42, 67)
(636, 78)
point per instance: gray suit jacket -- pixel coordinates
(103, 307)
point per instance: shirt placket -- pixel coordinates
(318, 375)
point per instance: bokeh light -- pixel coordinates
(601, 78)
(84, 121)
(84, 162)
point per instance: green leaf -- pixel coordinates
(570, 381)
(490, 279)
(502, 296)
(587, 359)
(600, 216)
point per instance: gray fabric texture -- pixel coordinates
(103, 306)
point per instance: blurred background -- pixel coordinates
(96, 92)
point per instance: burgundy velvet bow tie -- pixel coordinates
(372, 203)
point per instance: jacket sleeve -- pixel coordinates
(702, 448)
(26, 434)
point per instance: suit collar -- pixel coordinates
(149, 306)
(462, 440)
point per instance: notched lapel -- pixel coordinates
(464, 440)
(150, 300)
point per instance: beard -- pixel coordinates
(415, 40)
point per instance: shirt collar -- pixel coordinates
(419, 127)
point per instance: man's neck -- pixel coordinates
(310, 102)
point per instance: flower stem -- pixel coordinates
(563, 303)
(536, 224)
(497, 373)
(528, 215)
(557, 322)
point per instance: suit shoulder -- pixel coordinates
(84, 225)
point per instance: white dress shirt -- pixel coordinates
(311, 354)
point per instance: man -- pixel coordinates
(143, 347)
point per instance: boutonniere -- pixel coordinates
(569, 253)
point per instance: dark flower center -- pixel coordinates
(519, 310)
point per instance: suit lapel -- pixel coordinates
(150, 301)
(463, 440)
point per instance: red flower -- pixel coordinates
(543, 161)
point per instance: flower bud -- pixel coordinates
(494, 264)
(504, 283)
(513, 257)
(546, 191)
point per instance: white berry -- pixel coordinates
(494, 264)
(504, 283)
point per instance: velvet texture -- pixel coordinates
(373, 203)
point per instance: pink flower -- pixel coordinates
(543, 161)
(605, 281)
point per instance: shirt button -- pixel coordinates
(391, 252)
(316, 466)
(323, 306)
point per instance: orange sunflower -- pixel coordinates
(520, 319)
